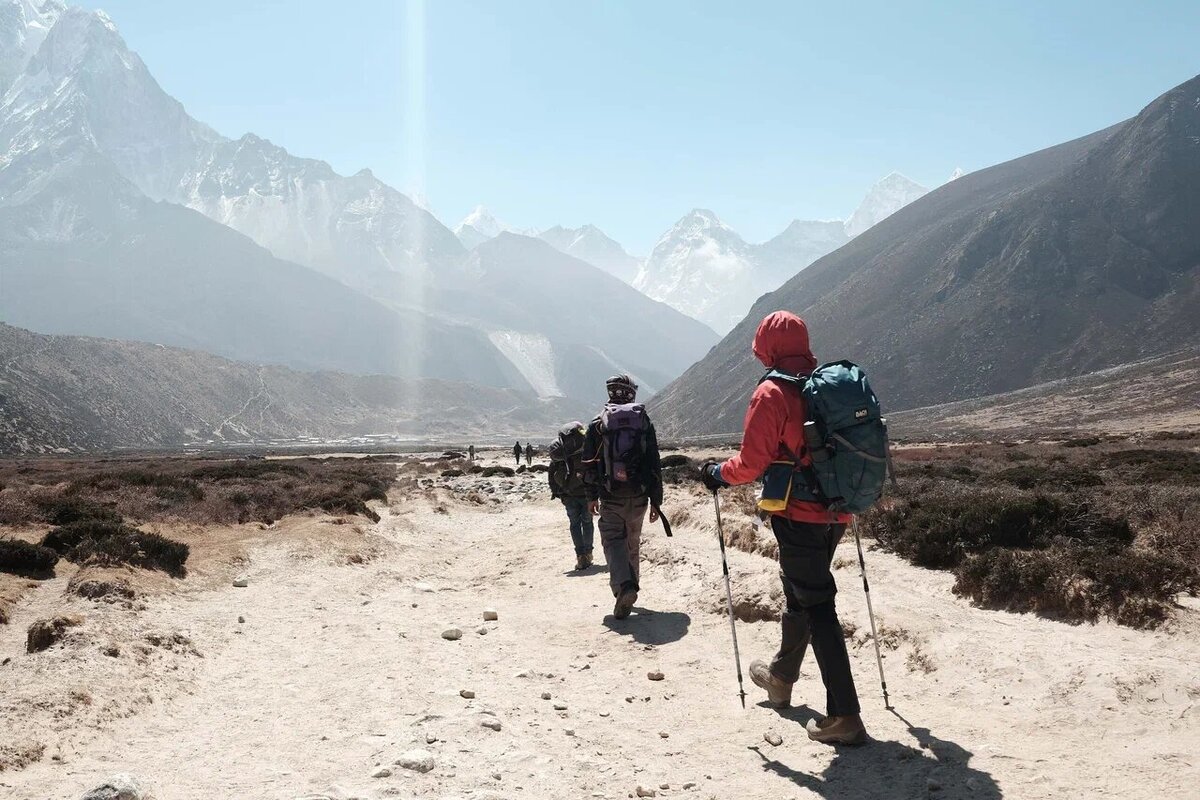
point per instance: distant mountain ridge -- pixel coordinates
(1072, 259)
(104, 178)
(705, 269)
(75, 394)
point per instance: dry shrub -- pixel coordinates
(494, 471)
(939, 530)
(19, 557)
(60, 492)
(1141, 466)
(94, 542)
(1077, 583)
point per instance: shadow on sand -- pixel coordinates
(594, 569)
(646, 626)
(936, 767)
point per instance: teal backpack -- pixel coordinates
(845, 437)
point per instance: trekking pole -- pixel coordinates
(737, 658)
(862, 566)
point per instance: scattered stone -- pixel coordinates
(545, 695)
(570, 731)
(481, 630)
(467, 694)
(430, 738)
(241, 620)
(772, 738)
(416, 760)
(452, 634)
(655, 676)
(591, 654)
(644, 792)
(628, 699)
(241, 582)
(118, 787)
(560, 706)
(112, 650)
(690, 785)
(664, 734)
(382, 772)
(490, 615)
(525, 673)
(934, 785)
(664, 786)
(604, 713)
(492, 724)
(46, 632)
(422, 587)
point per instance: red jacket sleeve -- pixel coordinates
(763, 431)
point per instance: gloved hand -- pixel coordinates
(710, 474)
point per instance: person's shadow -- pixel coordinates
(594, 569)
(894, 771)
(646, 626)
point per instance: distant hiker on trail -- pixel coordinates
(566, 484)
(806, 530)
(623, 476)
(471, 453)
(517, 452)
(528, 454)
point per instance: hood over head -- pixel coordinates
(781, 342)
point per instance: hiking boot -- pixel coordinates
(581, 563)
(625, 602)
(847, 729)
(587, 559)
(779, 692)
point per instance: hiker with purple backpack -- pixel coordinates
(623, 478)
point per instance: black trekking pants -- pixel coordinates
(805, 554)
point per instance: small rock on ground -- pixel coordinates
(467, 694)
(493, 724)
(118, 787)
(545, 695)
(642, 791)
(452, 634)
(655, 676)
(241, 583)
(772, 738)
(382, 772)
(416, 760)
(490, 615)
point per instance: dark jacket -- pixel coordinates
(649, 470)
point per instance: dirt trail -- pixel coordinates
(340, 668)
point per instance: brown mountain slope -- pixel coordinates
(1148, 396)
(1069, 260)
(70, 393)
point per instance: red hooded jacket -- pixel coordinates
(774, 426)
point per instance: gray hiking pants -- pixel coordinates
(621, 535)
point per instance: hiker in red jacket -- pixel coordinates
(807, 533)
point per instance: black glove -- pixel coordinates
(710, 474)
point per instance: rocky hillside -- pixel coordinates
(1072, 259)
(1159, 396)
(70, 394)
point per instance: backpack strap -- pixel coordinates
(803, 461)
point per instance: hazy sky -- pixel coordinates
(628, 114)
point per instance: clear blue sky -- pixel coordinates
(628, 114)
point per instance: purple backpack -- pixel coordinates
(624, 430)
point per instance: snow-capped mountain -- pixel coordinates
(480, 225)
(883, 199)
(958, 173)
(354, 228)
(122, 216)
(23, 27)
(592, 245)
(703, 268)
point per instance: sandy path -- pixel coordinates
(336, 671)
